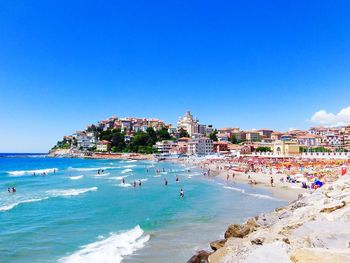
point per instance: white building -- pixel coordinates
(201, 146)
(188, 123)
(85, 140)
(165, 146)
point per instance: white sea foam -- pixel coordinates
(70, 192)
(131, 161)
(92, 168)
(49, 194)
(144, 180)
(38, 171)
(76, 177)
(158, 175)
(118, 177)
(111, 249)
(129, 166)
(194, 174)
(235, 189)
(10, 206)
(102, 174)
(124, 185)
(126, 171)
(260, 196)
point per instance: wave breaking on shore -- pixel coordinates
(110, 250)
(31, 172)
(49, 194)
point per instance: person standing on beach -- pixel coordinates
(271, 181)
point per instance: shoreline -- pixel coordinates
(286, 191)
(290, 234)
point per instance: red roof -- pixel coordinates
(104, 142)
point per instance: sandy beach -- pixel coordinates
(294, 233)
(283, 190)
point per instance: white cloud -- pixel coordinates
(325, 118)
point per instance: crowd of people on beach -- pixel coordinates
(304, 173)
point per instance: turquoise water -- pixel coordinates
(77, 215)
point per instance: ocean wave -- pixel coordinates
(235, 189)
(92, 168)
(70, 192)
(10, 206)
(111, 249)
(194, 174)
(38, 171)
(131, 161)
(259, 196)
(101, 174)
(49, 194)
(118, 177)
(126, 171)
(124, 185)
(129, 166)
(76, 177)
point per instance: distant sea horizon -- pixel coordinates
(32, 154)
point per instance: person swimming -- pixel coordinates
(177, 179)
(165, 182)
(182, 193)
(123, 180)
(134, 183)
(140, 183)
(9, 189)
(14, 190)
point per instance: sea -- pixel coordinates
(65, 210)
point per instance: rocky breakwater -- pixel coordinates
(313, 228)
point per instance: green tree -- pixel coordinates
(213, 136)
(263, 149)
(152, 136)
(183, 133)
(106, 135)
(118, 141)
(163, 134)
(234, 139)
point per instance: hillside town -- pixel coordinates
(191, 138)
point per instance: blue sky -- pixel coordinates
(252, 64)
